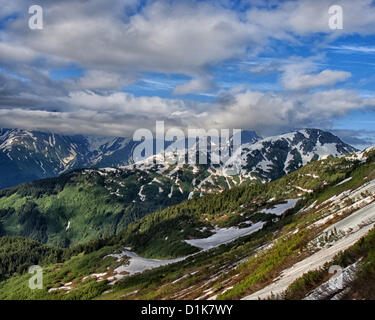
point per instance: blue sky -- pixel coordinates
(360, 64)
(114, 67)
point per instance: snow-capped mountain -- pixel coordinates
(30, 155)
(272, 157)
(265, 159)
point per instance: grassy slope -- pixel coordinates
(41, 210)
(156, 284)
(98, 204)
(256, 270)
(43, 216)
(231, 207)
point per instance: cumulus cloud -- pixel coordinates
(122, 113)
(195, 85)
(116, 41)
(305, 17)
(97, 79)
(295, 79)
(301, 74)
(168, 36)
(163, 37)
(269, 113)
(16, 53)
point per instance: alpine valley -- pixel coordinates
(86, 204)
(105, 227)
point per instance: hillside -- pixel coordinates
(32, 155)
(89, 204)
(84, 205)
(94, 203)
(269, 236)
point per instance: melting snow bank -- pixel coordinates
(355, 226)
(343, 181)
(138, 264)
(279, 209)
(353, 222)
(224, 235)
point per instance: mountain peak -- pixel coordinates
(29, 155)
(272, 157)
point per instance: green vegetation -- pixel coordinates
(94, 204)
(18, 254)
(60, 266)
(361, 288)
(231, 207)
(161, 235)
(43, 210)
(264, 268)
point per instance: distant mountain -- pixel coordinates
(91, 203)
(273, 157)
(270, 158)
(31, 155)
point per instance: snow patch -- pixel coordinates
(279, 209)
(224, 235)
(343, 181)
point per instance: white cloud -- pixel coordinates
(125, 103)
(16, 53)
(356, 49)
(195, 85)
(304, 17)
(121, 113)
(301, 74)
(169, 37)
(270, 113)
(96, 79)
(178, 37)
(294, 80)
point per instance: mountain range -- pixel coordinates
(31, 155)
(263, 240)
(84, 204)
